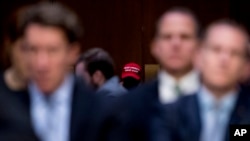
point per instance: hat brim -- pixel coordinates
(133, 75)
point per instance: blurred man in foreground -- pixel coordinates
(15, 77)
(60, 104)
(131, 76)
(220, 101)
(96, 67)
(15, 122)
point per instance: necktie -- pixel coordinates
(51, 132)
(212, 126)
(177, 90)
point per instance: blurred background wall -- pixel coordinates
(125, 27)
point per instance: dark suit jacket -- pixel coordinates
(15, 122)
(84, 103)
(135, 116)
(186, 126)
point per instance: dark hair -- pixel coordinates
(98, 59)
(233, 24)
(53, 14)
(181, 10)
(12, 33)
(228, 22)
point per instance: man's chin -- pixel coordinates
(47, 90)
(221, 86)
(175, 67)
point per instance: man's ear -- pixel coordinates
(98, 77)
(74, 53)
(153, 48)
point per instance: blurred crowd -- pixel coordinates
(52, 92)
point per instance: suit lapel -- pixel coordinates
(154, 106)
(25, 98)
(74, 112)
(241, 111)
(82, 103)
(189, 111)
(153, 91)
(195, 114)
(240, 114)
(196, 117)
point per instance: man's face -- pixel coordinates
(49, 54)
(176, 42)
(82, 72)
(222, 56)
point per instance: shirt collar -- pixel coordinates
(110, 83)
(226, 103)
(188, 83)
(60, 95)
(166, 79)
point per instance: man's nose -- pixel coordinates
(225, 58)
(176, 43)
(42, 61)
(225, 55)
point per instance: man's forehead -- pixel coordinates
(176, 17)
(224, 30)
(177, 22)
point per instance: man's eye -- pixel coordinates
(215, 49)
(166, 37)
(53, 50)
(31, 49)
(185, 36)
(237, 54)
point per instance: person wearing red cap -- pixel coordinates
(131, 75)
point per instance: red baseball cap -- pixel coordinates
(131, 70)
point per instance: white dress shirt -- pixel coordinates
(188, 84)
(215, 114)
(51, 114)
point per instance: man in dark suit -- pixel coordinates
(15, 123)
(60, 105)
(220, 101)
(174, 45)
